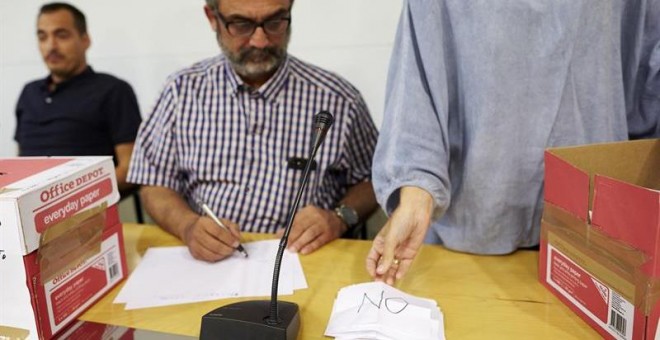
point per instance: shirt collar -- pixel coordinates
(84, 74)
(269, 90)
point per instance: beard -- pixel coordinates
(256, 63)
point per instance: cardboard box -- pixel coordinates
(600, 235)
(61, 243)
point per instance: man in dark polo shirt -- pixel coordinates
(75, 111)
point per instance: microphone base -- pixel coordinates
(248, 320)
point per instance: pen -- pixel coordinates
(217, 221)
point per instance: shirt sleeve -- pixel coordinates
(360, 143)
(19, 112)
(413, 146)
(123, 113)
(154, 160)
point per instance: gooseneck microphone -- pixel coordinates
(267, 319)
(322, 123)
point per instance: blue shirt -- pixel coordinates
(478, 89)
(86, 115)
(214, 139)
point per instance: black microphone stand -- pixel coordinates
(263, 319)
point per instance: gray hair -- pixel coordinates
(213, 4)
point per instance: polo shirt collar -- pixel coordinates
(84, 74)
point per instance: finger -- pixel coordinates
(280, 232)
(213, 238)
(406, 254)
(315, 244)
(372, 260)
(201, 253)
(306, 237)
(389, 245)
(221, 234)
(296, 230)
(393, 273)
(390, 279)
(375, 254)
(403, 269)
(205, 247)
(234, 229)
(212, 245)
(327, 235)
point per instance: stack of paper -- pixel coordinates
(377, 311)
(170, 275)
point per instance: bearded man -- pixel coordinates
(233, 132)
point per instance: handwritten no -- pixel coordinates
(400, 302)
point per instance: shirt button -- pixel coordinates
(49, 100)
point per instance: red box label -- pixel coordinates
(72, 204)
(605, 308)
(590, 292)
(73, 294)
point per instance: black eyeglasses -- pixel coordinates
(244, 28)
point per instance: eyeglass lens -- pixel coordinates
(245, 28)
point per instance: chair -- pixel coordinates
(138, 207)
(358, 232)
(137, 204)
(374, 223)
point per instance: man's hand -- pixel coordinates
(209, 242)
(397, 244)
(312, 228)
(206, 240)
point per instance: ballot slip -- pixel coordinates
(376, 310)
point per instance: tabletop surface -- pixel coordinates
(494, 297)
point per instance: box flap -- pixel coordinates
(636, 162)
(566, 186)
(13, 170)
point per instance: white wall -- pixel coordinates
(143, 41)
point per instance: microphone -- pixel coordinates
(267, 319)
(322, 123)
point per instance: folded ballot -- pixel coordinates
(376, 310)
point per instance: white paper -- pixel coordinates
(170, 275)
(378, 311)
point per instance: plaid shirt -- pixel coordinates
(211, 137)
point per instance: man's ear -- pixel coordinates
(213, 21)
(87, 41)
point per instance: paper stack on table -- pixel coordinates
(170, 275)
(376, 310)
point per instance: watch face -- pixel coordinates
(349, 215)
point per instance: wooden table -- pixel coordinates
(481, 297)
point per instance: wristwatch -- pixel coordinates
(348, 215)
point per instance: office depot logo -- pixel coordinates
(62, 188)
